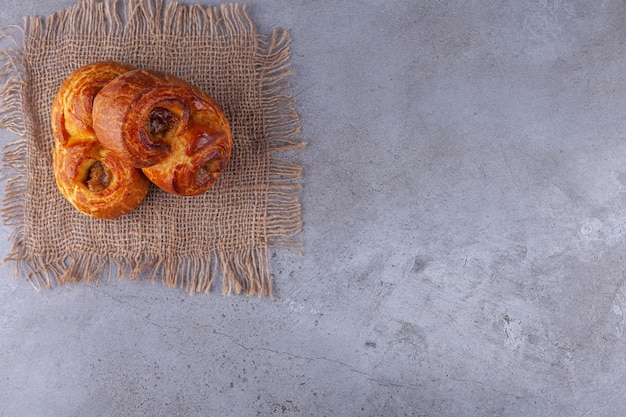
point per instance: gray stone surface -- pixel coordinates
(464, 234)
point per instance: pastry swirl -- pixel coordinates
(92, 178)
(176, 133)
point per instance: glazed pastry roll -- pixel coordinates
(92, 178)
(176, 133)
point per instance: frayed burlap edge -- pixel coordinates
(245, 271)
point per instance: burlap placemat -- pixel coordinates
(186, 242)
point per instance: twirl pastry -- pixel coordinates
(92, 178)
(174, 132)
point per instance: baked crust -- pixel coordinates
(92, 178)
(176, 133)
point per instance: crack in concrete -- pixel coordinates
(292, 355)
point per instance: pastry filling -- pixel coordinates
(206, 171)
(160, 122)
(98, 177)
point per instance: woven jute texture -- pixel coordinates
(184, 241)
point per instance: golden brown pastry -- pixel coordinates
(92, 178)
(158, 122)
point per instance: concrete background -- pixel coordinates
(465, 232)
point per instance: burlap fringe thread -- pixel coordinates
(244, 272)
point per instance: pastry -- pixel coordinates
(92, 178)
(176, 133)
